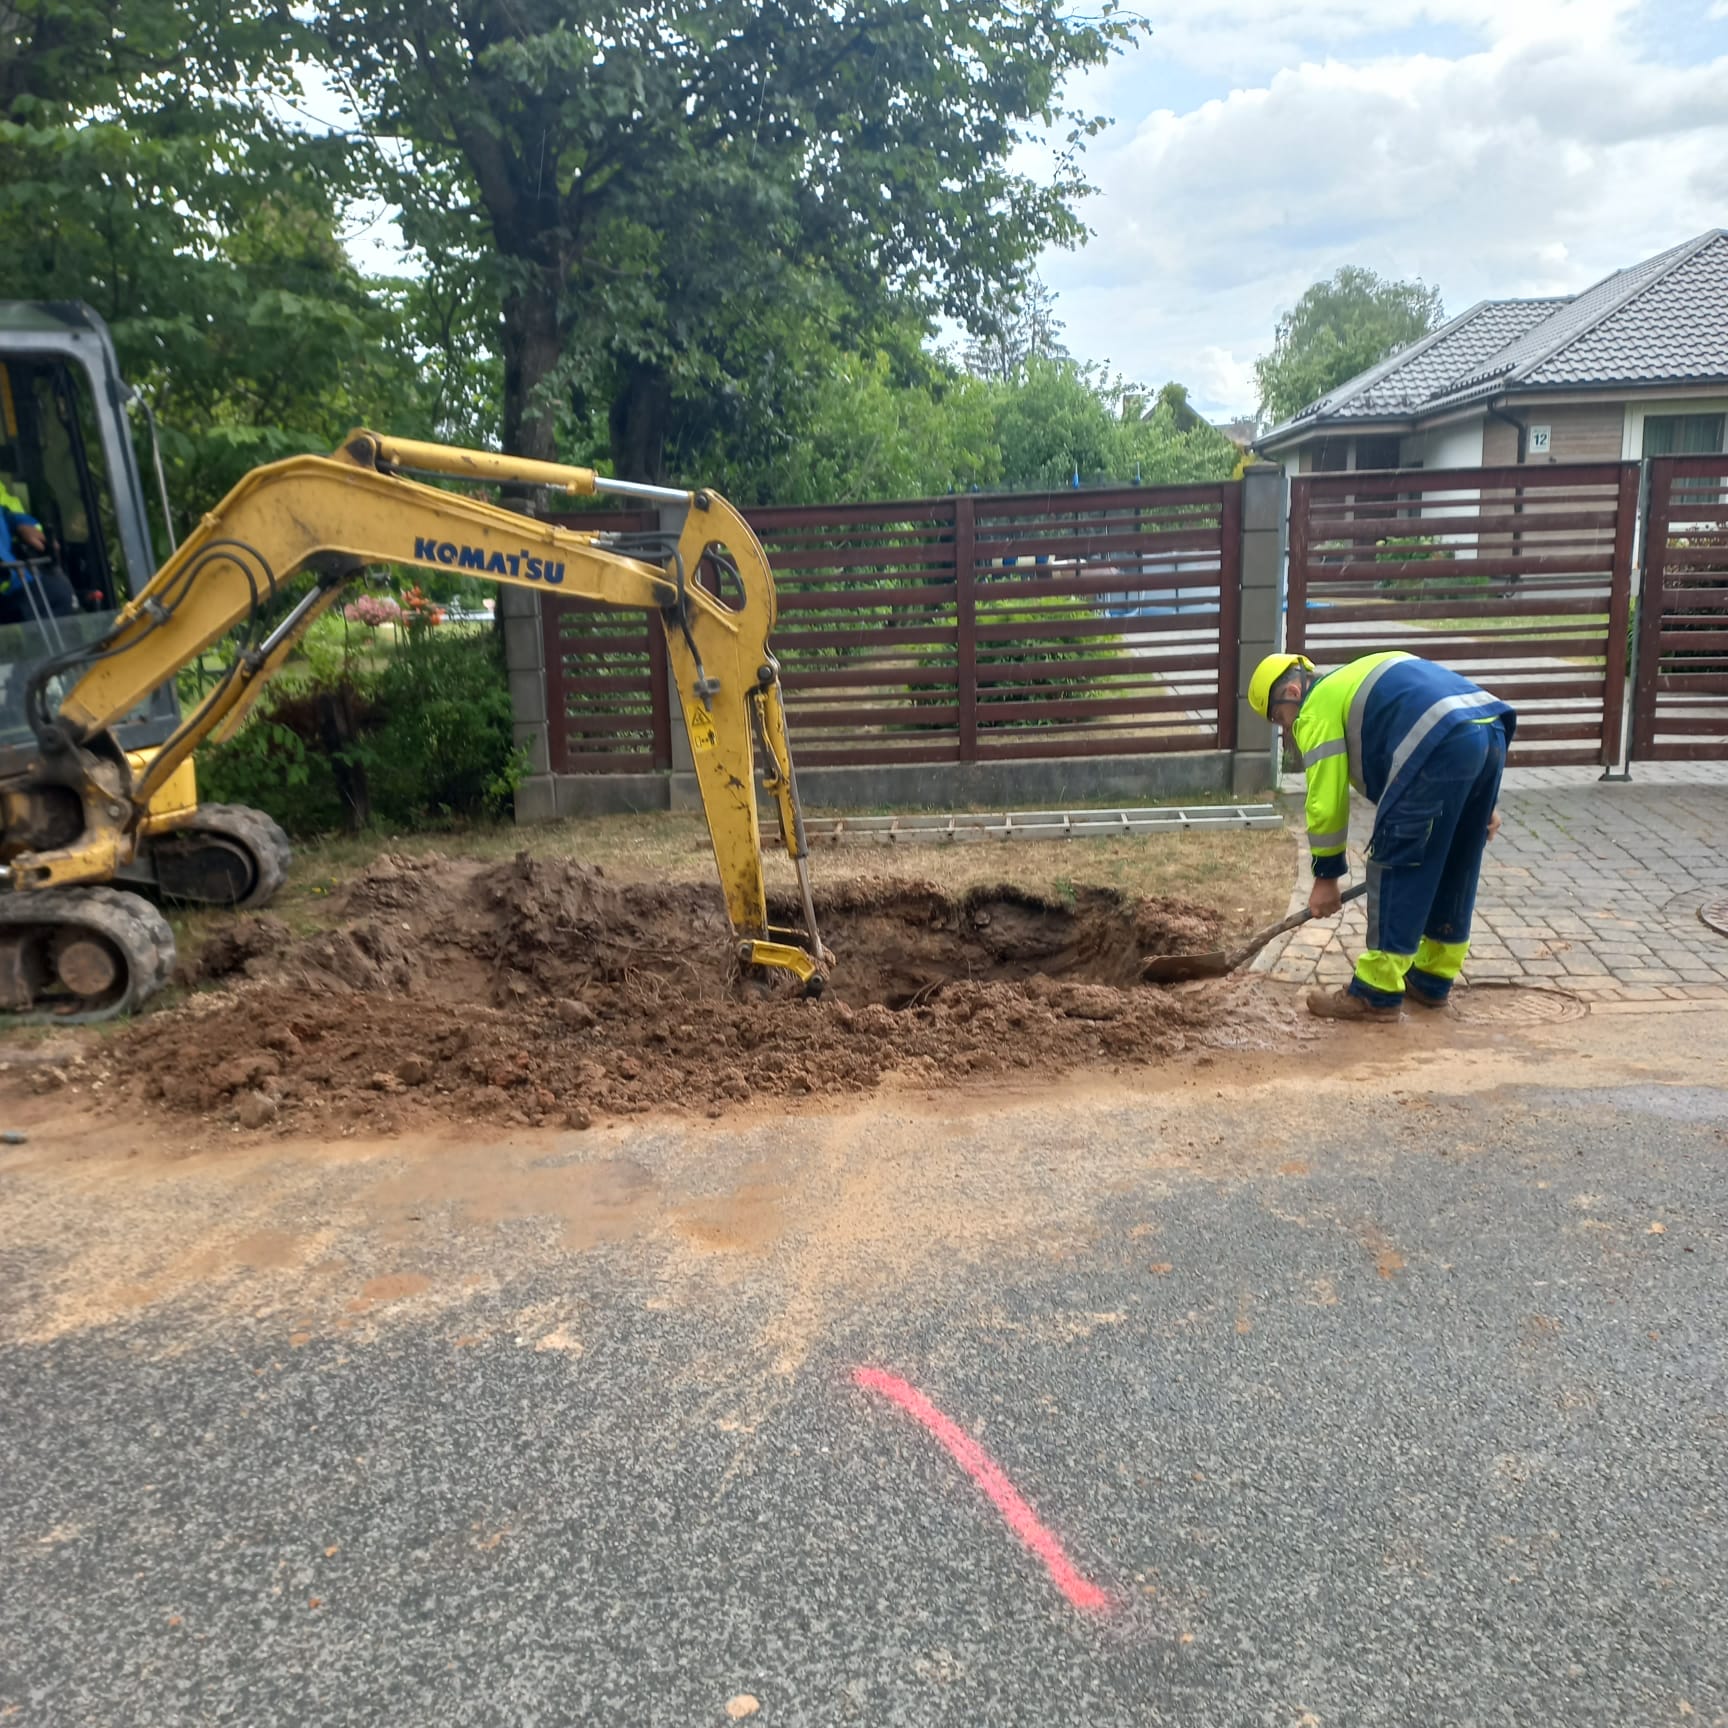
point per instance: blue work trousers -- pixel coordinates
(1424, 861)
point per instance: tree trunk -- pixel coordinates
(338, 729)
(530, 357)
(641, 413)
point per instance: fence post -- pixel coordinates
(1647, 666)
(528, 669)
(966, 621)
(1230, 550)
(1618, 648)
(1262, 492)
(682, 792)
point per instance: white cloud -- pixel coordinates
(1547, 150)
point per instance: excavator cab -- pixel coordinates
(66, 458)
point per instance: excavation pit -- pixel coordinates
(543, 992)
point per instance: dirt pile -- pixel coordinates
(543, 992)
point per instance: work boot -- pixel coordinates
(1421, 999)
(1343, 1005)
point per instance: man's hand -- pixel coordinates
(1493, 824)
(33, 538)
(1325, 897)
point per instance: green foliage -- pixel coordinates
(1340, 327)
(433, 741)
(1061, 417)
(271, 767)
(666, 197)
(144, 170)
(443, 747)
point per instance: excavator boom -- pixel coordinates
(335, 516)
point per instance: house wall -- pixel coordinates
(1457, 445)
(1587, 432)
(1499, 443)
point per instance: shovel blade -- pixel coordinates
(1174, 968)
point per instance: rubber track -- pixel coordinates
(259, 835)
(129, 921)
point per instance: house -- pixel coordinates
(1635, 366)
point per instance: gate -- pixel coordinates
(1680, 709)
(1518, 578)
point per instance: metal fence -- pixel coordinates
(973, 628)
(1519, 578)
(1680, 710)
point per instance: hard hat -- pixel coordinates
(1267, 675)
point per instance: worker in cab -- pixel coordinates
(1426, 748)
(30, 583)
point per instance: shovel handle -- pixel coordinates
(1304, 915)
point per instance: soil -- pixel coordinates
(543, 992)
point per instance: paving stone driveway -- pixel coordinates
(1594, 888)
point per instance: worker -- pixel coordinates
(1426, 747)
(29, 584)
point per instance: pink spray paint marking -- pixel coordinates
(989, 1475)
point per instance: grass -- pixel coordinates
(1244, 873)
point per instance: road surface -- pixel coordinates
(1378, 1384)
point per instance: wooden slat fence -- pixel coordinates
(958, 629)
(608, 702)
(1519, 578)
(1680, 711)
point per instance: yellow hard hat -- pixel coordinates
(1266, 676)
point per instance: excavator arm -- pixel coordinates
(338, 514)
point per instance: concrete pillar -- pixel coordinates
(1265, 495)
(525, 669)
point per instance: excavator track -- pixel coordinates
(73, 955)
(227, 855)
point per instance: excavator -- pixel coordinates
(100, 822)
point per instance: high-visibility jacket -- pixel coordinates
(12, 513)
(1371, 725)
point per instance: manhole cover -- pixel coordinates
(1514, 1004)
(1715, 914)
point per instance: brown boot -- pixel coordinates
(1421, 999)
(1341, 1005)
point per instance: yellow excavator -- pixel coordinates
(99, 816)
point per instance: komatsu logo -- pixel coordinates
(521, 565)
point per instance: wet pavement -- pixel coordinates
(1381, 1385)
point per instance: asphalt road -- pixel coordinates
(1382, 1403)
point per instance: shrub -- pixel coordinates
(421, 735)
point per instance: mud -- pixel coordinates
(542, 992)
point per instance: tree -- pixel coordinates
(1027, 326)
(143, 170)
(1340, 327)
(662, 186)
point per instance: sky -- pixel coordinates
(1493, 148)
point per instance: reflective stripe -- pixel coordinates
(1383, 972)
(1332, 747)
(1358, 710)
(1319, 842)
(1372, 939)
(1429, 720)
(1443, 960)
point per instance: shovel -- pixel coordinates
(1173, 968)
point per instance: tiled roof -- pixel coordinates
(1662, 321)
(1404, 381)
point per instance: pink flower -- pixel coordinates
(373, 610)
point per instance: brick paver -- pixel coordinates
(1592, 887)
